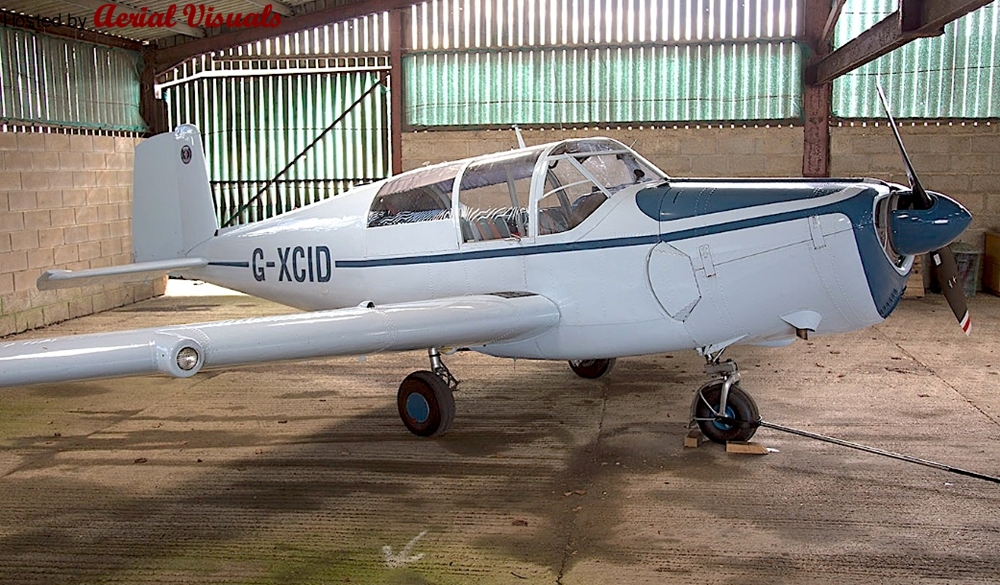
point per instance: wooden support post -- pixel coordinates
(152, 110)
(816, 98)
(396, 89)
(816, 135)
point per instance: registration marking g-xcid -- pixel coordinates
(294, 264)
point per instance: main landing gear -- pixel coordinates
(722, 410)
(592, 369)
(425, 400)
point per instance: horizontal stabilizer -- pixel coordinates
(183, 350)
(139, 272)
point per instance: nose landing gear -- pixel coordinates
(722, 409)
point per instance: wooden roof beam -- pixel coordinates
(914, 19)
(172, 56)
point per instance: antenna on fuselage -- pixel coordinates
(520, 139)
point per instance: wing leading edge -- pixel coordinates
(183, 350)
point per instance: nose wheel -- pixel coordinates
(723, 410)
(737, 423)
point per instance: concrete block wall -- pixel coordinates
(962, 161)
(65, 202)
(684, 151)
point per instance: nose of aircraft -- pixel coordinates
(918, 231)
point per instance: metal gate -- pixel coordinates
(260, 130)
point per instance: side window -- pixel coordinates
(570, 197)
(493, 198)
(414, 197)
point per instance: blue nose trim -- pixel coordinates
(918, 231)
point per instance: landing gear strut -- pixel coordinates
(425, 400)
(723, 411)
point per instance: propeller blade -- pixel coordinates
(947, 270)
(911, 175)
(944, 259)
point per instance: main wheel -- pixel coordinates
(739, 406)
(426, 404)
(592, 369)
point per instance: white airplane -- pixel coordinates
(579, 250)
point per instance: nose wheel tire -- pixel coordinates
(426, 404)
(740, 408)
(592, 369)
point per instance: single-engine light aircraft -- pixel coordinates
(578, 250)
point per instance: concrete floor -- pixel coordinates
(302, 473)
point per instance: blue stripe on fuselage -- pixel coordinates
(502, 252)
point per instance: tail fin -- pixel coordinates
(172, 212)
(172, 208)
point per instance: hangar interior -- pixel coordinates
(298, 472)
(333, 94)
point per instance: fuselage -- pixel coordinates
(637, 263)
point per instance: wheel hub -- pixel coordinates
(418, 408)
(730, 414)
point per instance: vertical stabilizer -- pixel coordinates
(172, 208)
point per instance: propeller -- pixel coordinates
(943, 258)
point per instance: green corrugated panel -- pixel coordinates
(53, 81)
(463, 24)
(723, 82)
(956, 75)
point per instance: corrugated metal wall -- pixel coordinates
(465, 24)
(573, 62)
(361, 43)
(953, 76)
(733, 81)
(46, 80)
(258, 106)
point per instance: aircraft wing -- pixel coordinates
(183, 350)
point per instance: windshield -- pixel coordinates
(581, 176)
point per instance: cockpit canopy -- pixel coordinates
(529, 192)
